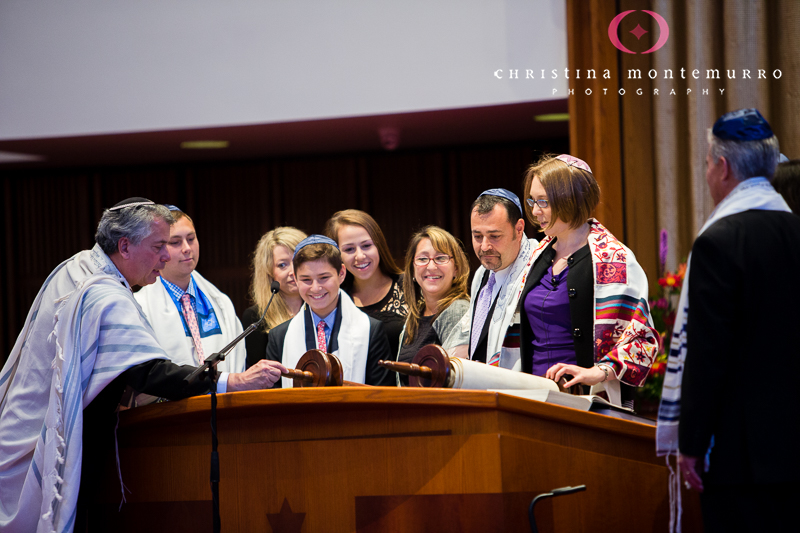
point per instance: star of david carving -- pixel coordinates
(286, 521)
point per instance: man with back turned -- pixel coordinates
(724, 409)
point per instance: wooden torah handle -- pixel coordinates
(337, 374)
(429, 368)
(316, 369)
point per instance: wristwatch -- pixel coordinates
(605, 368)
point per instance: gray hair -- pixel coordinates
(135, 223)
(746, 159)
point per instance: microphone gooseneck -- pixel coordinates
(275, 288)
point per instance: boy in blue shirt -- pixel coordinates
(329, 320)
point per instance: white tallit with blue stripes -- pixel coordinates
(83, 330)
(753, 193)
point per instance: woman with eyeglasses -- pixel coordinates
(374, 281)
(584, 312)
(435, 284)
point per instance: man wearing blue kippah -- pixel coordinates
(499, 241)
(738, 309)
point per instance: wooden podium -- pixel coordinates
(384, 460)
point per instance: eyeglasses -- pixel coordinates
(541, 203)
(439, 260)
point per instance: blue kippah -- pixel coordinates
(504, 193)
(314, 239)
(742, 125)
(173, 207)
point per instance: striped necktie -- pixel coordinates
(323, 346)
(482, 307)
(191, 321)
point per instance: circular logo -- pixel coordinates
(613, 31)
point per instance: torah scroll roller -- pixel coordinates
(432, 367)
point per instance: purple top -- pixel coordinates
(547, 307)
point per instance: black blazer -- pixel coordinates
(742, 328)
(378, 346)
(580, 288)
(255, 343)
(157, 377)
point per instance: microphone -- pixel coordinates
(214, 359)
(275, 288)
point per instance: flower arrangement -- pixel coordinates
(663, 309)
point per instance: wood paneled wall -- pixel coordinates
(49, 215)
(648, 150)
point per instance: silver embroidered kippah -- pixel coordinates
(132, 202)
(574, 162)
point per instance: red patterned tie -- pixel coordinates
(323, 346)
(191, 321)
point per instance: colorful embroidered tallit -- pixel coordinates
(83, 330)
(624, 335)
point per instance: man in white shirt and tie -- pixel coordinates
(499, 241)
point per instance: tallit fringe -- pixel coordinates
(122, 486)
(56, 426)
(675, 507)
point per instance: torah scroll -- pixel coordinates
(432, 367)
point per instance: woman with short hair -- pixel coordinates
(584, 309)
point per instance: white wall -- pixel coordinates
(75, 67)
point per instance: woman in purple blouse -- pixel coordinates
(584, 311)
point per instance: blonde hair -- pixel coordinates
(443, 242)
(263, 265)
(354, 217)
(572, 192)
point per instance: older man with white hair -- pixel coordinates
(725, 410)
(84, 341)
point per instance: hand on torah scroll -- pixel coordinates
(587, 376)
(261, 375)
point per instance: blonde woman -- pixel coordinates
(435, 281)
(272, 261)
